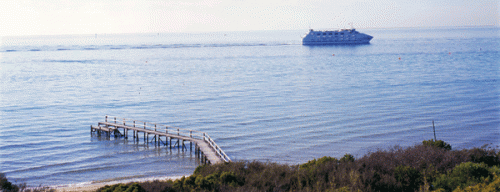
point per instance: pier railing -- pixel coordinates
(170, 130)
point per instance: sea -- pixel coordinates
(260, 95)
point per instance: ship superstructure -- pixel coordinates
(342, 36)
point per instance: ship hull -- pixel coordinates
(340, 37)
(335, 42)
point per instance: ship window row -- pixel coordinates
(342, 36)
(330, 34)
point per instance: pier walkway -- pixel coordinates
(205, 148)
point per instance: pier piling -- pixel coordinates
(205, 149)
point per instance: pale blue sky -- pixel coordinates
(51, 17)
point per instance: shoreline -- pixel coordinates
(94, 185)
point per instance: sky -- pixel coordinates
(55, 17)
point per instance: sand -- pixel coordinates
(90, 187)
(93, 186)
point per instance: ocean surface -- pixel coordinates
(260, 95)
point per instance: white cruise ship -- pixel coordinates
(342, 36)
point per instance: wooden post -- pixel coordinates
(202, 157)
(124, 129)
(133, 131)
(434, 128)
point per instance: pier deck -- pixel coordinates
(205, 148)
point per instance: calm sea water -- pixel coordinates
(261, 95)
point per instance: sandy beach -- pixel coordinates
(92, 186)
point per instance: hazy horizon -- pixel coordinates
(57, 17)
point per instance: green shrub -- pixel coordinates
(5, 185)
(463, 175)
(203, 183)
(157, 185)
(199, 168)
(347, 158)
(408, 177)
(423, 167)
(232, 179)
(313, 163)
(190, 181)
(179, 184)
(131, 187)
(438, 143)
(493, 186)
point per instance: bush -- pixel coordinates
(347, 158)
(464, 175)
(409, 178)
(232, 179)
(493, 186)
(321, 161)
(438, 143)
(131, 187)
(5, 185)
(316, 173)
(418, 168)
(157, 185)
(479, 155)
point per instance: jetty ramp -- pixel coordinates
(205, 147)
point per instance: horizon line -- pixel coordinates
(201, 32)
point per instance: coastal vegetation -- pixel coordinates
(5, 185)
(430, 166)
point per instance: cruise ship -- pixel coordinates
(342, 36)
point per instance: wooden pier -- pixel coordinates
(205, 148)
